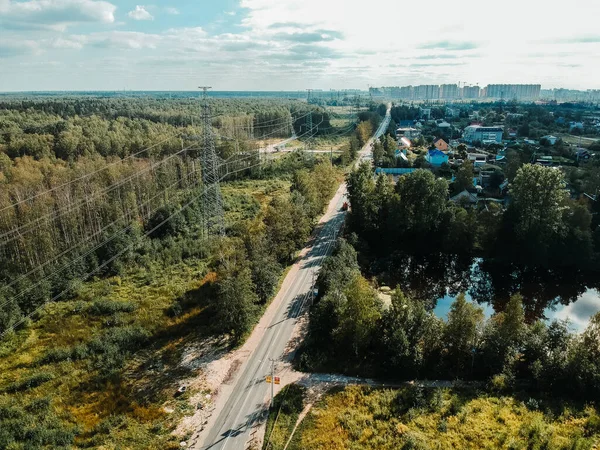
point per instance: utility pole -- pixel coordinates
(272, 381)
(212, 201)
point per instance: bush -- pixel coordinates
(103, 307)
(592, 425)
(29, 382)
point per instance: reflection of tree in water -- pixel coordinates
(541, 288)
(425, 277)
(430, 277)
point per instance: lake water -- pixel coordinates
(547, 294)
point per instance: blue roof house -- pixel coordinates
(436, 158)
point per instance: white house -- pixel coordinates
(551, 139)
(478, 159)
(477, 133)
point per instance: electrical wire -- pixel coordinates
(29, 226)
(80, 257)
(83, 177)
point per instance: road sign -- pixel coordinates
(269, 379)
(276, 380)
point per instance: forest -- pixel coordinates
(81, 179)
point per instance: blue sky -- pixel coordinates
(294, 44)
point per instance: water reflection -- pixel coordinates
(547, 294)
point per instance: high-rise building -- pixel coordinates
(470, 92)
(449, 91)
(514, 91)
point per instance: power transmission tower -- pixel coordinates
(212, 201)
(309, 122)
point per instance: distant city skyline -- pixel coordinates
(293, 44)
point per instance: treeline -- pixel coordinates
(542, 226)
(67, 128)
(351, 330)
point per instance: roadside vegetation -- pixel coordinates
(432, 418)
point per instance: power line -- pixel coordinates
(78, 258)
(29, 226)
(83, 177)
(89, 238)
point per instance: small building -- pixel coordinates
(441, 145)
(582, 154)
(409, 132)
(512, 133)
(443, 125)
(551, 139)
(404, 142)
(575, 126)
(436, 158)
(478, 159)
(464, 197)
(478, 133)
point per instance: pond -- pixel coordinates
(558, 294)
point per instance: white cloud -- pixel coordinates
(124, 40)
(9, 49)
(285, 45)
(140, 13)
(53, 14)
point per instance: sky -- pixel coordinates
(295, 44)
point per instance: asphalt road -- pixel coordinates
(246, 403)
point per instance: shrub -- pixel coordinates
(29, 382)
(102, 307)
(592, 425)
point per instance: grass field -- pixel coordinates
(362, 418)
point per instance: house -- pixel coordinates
(575, 126)
(486, 135)
(404, 142)
(582, 154)
(443, 125)
(512, 133)
(478, 159)
(441, 145)
(409, 132)
(464, 197)
(436, 158)
(551, 139)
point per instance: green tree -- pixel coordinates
(408, 337)
(235, 304)
(421, 203)
(539, 198)
(461, 335)
(358, 318)
(464, 176)
(360, 189)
